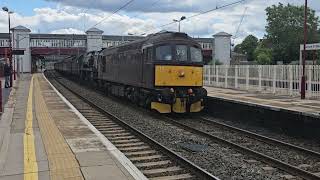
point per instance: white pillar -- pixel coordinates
(94, 39)
(236, 68)
(22, 41)
(247, 77)
(260, 76)
(274, 79)
(226, 76)
(222, 47)
(291, 80)
(309, 70)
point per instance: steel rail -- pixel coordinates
(267, 159)
(260, 137)
(201, 173)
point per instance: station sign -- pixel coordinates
(315, 46)
(18, 52)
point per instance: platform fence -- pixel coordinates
(277, 79)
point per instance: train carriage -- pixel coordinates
(162, 71)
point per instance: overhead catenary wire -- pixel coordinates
(114, 12)
(201, 13)
(153, 4)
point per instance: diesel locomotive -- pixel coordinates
(163, 71)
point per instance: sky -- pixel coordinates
(142, 16)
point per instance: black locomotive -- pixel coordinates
(163, 71)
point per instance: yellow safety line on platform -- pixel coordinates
(30, 161)
(62, 161)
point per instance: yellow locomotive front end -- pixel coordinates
(185, 91)
(179, 80)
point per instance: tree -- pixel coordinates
(247, 47)
(264, 59)
(262, 54)
(237, 48)
(285, 30)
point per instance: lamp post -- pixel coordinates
(10, 41)
(303, 78)
(178, 21)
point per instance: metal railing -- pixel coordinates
(277, 79)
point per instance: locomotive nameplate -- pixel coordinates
(166, 75)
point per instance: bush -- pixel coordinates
(215, 61)
(264, 59)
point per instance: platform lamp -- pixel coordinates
(10, 41)
(178, 21)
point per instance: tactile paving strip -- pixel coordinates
(62, 162)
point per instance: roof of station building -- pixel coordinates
(93, 29)
(59, 36)
(222, 34)
(21, 28)
(121, 38)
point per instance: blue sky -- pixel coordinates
(24, 8)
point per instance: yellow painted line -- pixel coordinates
(30, 161)
(61, 160)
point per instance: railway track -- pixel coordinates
(154, 160)
(301, 162)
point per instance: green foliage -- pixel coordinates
(262, 54)
(264, 58)
(247, 47)
(238, 48)
(285, 30)
(215, 61)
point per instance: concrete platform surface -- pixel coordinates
(41, 137)
(274, 102)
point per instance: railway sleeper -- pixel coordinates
(173, 170)
(140, 153)
(133, 149)
(125, 141)
(130, 144)
(152, 165)
(174, 177)
(148, 158)
(119, 134)
(112, 131)
(121, 137)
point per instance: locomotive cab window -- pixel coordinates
(196, 55)
(164, 53)
(181, 53)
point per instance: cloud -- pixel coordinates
(145, 5)
(71, 16)
(67, 31)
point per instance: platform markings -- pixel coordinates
(30, 161)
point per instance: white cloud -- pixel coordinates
(67, 31)
(70, 16)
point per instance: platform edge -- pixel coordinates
(119, 156)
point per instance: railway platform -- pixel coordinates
(281, 111)
(42, 136)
